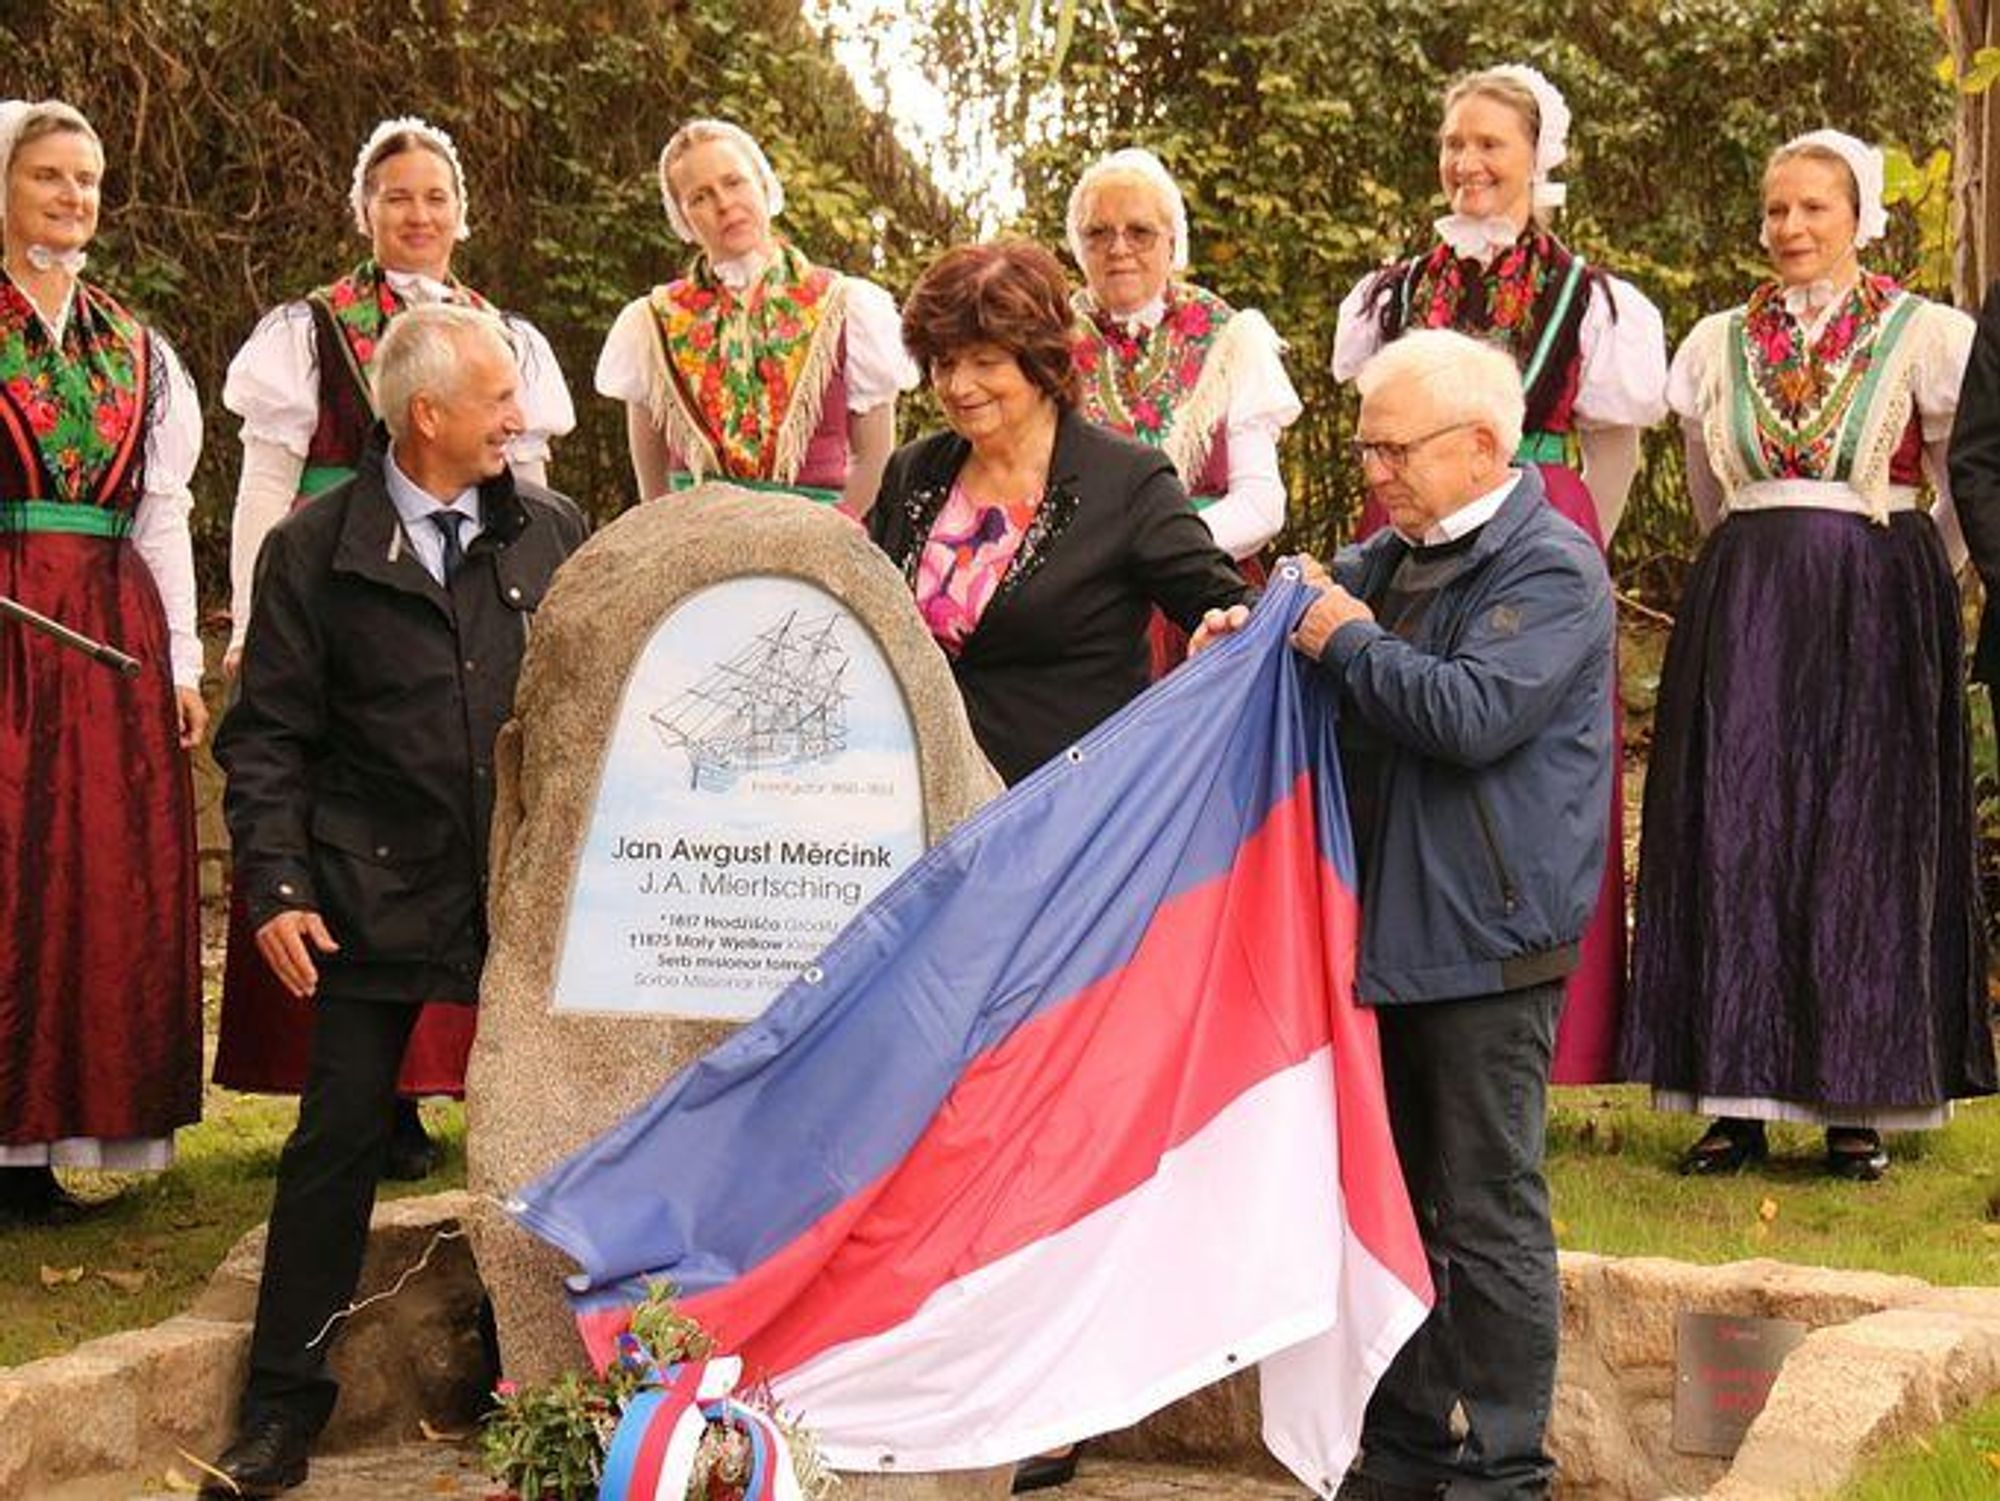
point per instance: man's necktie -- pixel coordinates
(447, 523)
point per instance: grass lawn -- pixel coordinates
(1612, 1169)
(148, 1252)
(1959, 1463)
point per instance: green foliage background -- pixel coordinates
(1303, 134)
(231, 131)
(1302, 131)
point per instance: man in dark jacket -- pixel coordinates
(1975, 477)
(1471, 644)
(390, 620)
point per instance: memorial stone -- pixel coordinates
(732, 730)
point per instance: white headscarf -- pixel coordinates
(1551, 138)
(1871, 219)
(13, 115)
(693, 134)
(1137, 162)
(357, 195)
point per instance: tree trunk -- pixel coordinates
(1970, 25)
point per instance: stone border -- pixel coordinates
(118, 1408)
(1889, 1359)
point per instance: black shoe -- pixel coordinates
(412, 1154)
(1855, 1154)
(1043, 1472)
(32, 1196)
(1725, 1147)
(268, 1457)
(1360, 1487)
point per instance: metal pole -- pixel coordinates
(97, 651)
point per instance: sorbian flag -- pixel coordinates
(1078, 1116)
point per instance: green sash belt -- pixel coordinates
(63, 516)
(680, 479)
(1547, 448)
(320, 478)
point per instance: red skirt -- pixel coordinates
(100, 950)
(266, 1033)
(1594, 998)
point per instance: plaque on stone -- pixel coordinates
(760, 787)
(1725, 1366)
(727, 692)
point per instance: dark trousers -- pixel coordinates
(1468, 1085)
(326, 1193)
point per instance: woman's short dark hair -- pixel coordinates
(1009, 293)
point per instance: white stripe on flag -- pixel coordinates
(1233, 1250)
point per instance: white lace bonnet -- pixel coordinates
(436, 139)
(693, 133)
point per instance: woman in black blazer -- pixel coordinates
(1037, 543)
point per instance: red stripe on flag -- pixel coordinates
(1376, 1201)
(1075, 1108)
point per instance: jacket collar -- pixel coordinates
(1387, 548)
(372, 544)
(1066, 462)
(1522, 502)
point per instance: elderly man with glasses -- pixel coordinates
(1470, 645)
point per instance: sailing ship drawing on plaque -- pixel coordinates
(777, 703)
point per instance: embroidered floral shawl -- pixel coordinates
(1833, 409)
(745, 371)
(361, 304)
(78, 404)
(1167, 386)
(1799, 393)
(1530, 301)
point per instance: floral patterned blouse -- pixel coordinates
(967, 554)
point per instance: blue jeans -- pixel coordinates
(1468, 1088)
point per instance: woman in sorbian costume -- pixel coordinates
(100, 983)
(1175, 366)
(1809, 945)
(1593, 359)
(756, 366)
(301, 386)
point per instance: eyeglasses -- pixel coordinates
(1397, 455)
(1101, 237)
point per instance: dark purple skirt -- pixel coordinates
(1807, 918)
